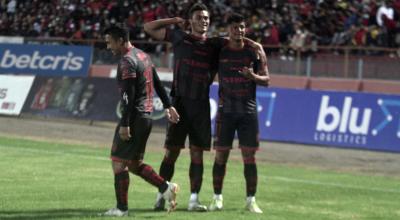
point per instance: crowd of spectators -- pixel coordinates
(291, 23)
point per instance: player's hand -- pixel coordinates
(124, 133)
(172, 115)
(247, 72)
(179, 20)
(182, 23)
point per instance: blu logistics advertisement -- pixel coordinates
(344, 119)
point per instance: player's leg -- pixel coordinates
(249, 143)
(250, 174)
(218, 172)
(168, 190)
(224, 135)
(140, 131)
(121, 176)
(174, 142)
(199, 141)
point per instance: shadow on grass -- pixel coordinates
(78, 213)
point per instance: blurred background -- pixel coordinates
(354, 39)
(330, 62)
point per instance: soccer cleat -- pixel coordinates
(252, 206)
(170, 196)
(195, 206)
(217, 203)
(116, 212)
(160, 204)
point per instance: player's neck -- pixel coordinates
(236, 44)
(126, 47)
(199, 35)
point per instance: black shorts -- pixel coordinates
(134, 148)
(194, 122)
(246, 125)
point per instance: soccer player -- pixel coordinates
(195, 64)
(135, 76)
(239, 70)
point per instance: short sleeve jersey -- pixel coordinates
(195, 64)
(136, 65)
(237, 94)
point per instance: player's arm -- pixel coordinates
(259, 50)
(258, 72)
(170, 111)
(157, 29)
(127, 96)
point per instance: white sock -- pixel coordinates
(218, 196)
(194, 197)
(251, 199)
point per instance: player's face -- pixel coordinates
(112, 44)
(200, 21)
(237, 31)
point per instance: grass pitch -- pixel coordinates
(42, 180)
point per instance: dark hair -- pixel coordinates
(235, 18)
(117, 32)
(197, 7)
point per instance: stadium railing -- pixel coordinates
(319, 61)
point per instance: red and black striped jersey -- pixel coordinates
(237, 93)
(135, 82)
(195, 63)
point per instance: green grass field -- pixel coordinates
(41, 180)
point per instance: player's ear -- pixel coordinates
(121, 41)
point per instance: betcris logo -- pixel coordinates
(45, 59)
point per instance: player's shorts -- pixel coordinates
(194, 122)
(134, 148)
(246, 125)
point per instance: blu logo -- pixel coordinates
(346, 119)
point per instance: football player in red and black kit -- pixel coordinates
(239, 70)
(135, 76)
(195, 65)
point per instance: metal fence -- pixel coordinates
(318, 61)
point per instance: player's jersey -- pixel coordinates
(237, 94)
(135, 81)
(195, 64)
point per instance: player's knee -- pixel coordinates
(221, 157)
(172, 155)
(248, 157)
(134, 167)
(118, 167)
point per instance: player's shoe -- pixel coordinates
(170, 196)
(160, 203)
(195, 206)
(252, 206)
(115, 212)
(217, 203)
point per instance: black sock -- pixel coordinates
(167, 169)
(121, 186)
(196, 176)
(147, 173)
(250, 174)
(218, 177)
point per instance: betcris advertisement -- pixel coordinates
(50, 60)
(343, 119)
